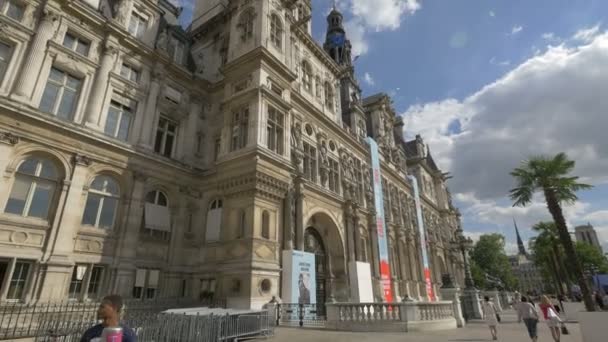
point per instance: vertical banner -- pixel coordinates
(299, 278)
(385, 271)
(423, 241)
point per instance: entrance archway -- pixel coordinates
(314, 244)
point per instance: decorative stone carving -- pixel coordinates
(121, 11)
(19, 237)
(8, 138)
(80, 159)
(162, 41)
(200, 60)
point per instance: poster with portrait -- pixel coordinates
(299, 277)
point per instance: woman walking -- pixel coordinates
(490, 315)
(527, 312)
(551, 317)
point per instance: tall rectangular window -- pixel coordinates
(78, 275)
(77, 44)
(137, 25)
(12, 9)
(6, 51)
(166, 135)
(216, 148)
(334, 176)
(240, 126)
(359, 180)
(95, 281)
(129, 72)
(60, 94)
(16, 288)
(274, 130)
(118, 121)
(310, 162)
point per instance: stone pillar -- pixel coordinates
(288, 220)
(472, 305)
(108, 60)
(357, 234)
(70, 220)
(348, 225)
(147, 130)
(30, 69)
(299, 215)
(453, 295)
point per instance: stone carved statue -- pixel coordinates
(200, 59)
(122, 9)
(297, 146)
(162, 41)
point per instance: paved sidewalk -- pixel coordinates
(508, 331)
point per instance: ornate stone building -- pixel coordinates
(530, 280)
(151, 161)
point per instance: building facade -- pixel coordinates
(147, 160)
(587, 234)
(529, 277)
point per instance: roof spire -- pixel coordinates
(520, 243)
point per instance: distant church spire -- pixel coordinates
(520, 242)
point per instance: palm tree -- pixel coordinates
(551, 177)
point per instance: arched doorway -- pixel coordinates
(314, 244)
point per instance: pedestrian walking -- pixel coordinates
(491, 316)
(109, 314)
(528, 313)
(551, 317)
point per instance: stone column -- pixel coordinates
(299, 215)
(147, 130)
(357, 233)
(30, 69)
(95, 105)
(288, 220)
(348, 223)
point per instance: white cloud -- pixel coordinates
(504, 63)
(367, 77)
(516, 29)
(551, 37)
(380, 15)
(492, 14)
(374, 16)
(587, 35)
(534, 109)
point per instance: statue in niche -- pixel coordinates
(121, 10)
(200, 58)
(296, 137)
(162, 40)
(323, 155)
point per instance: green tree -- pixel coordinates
(490, 257)
(591, 258)
(543, 256)
(549, 238)
(551, 177)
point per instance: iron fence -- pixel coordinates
(311, 315)
(18, 320)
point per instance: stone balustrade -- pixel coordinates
(395, 317)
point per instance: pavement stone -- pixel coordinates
(508, 331)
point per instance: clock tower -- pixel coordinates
(339, 48)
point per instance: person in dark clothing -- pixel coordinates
(109, 314)
(599, 300)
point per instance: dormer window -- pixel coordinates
(176, 49)
(138, 25)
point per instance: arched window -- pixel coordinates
(306, 76)
(214, 221)
(157, 217)
(34, 188)
(240, 233)
(329, 97)
(265, 225)
(246, 22)
(276, 31)
(102, 202)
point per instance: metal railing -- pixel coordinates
(19, 320)
(300, 314)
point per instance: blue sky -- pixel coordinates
(488, 83)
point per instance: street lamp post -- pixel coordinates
(471, 300)
(464, 245)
